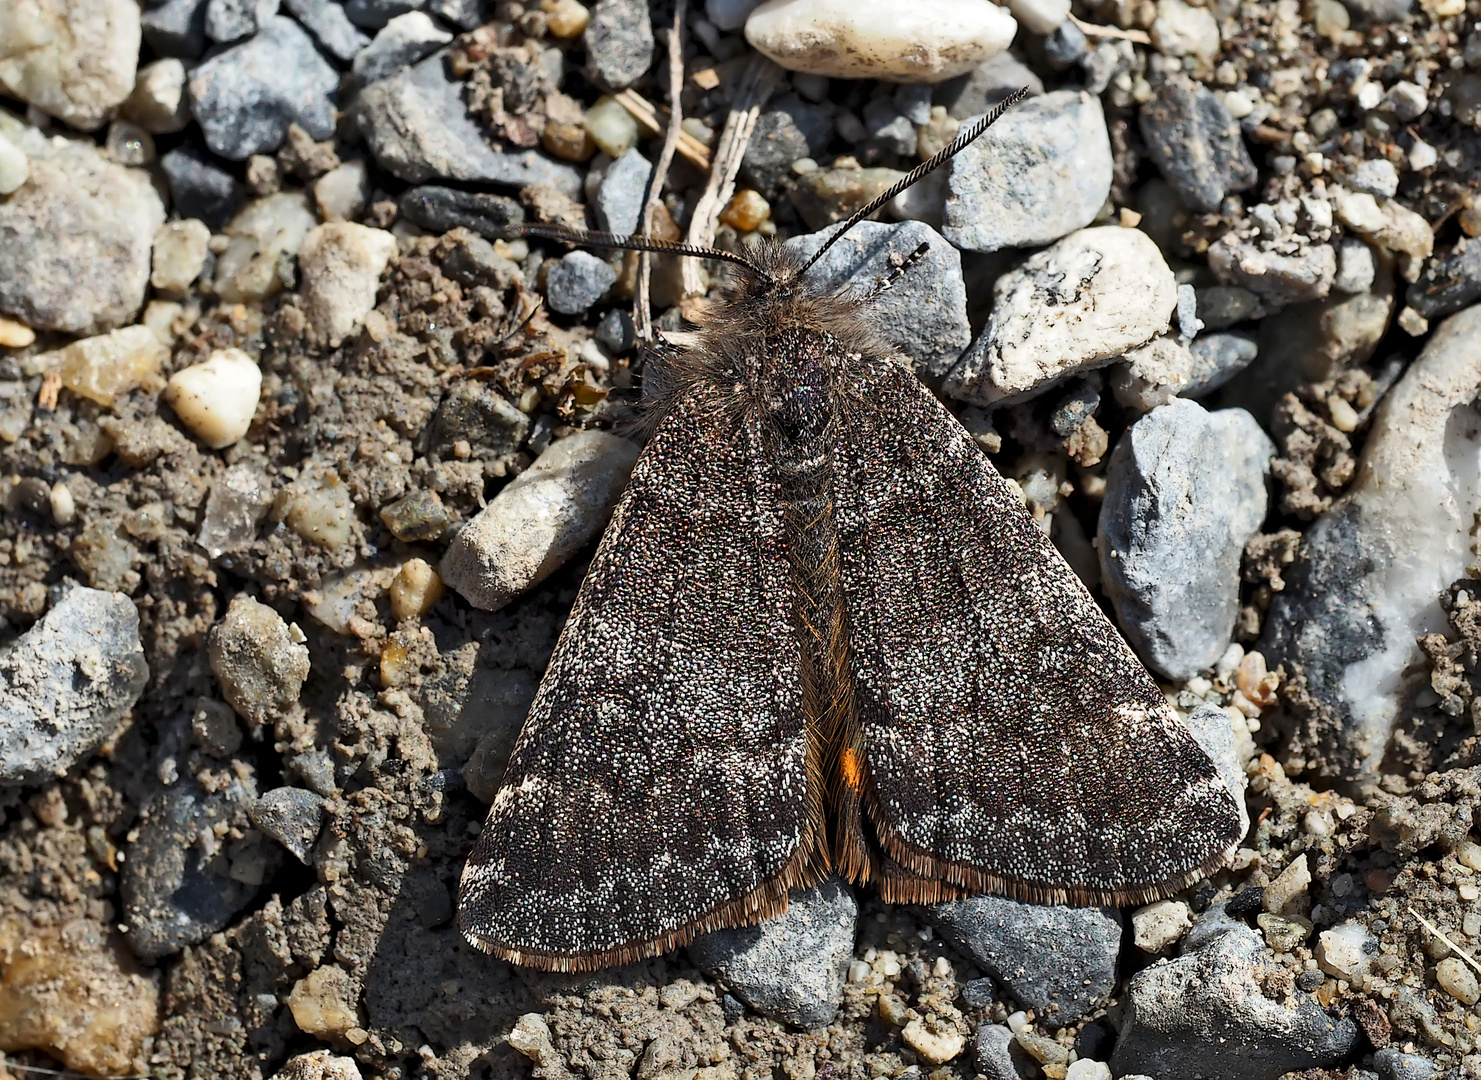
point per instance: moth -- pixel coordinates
(822, 636)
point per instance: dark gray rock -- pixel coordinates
(330, 26)
(293, 817)
(1217, 358)
(245, 97)
(176, 28)
(1390, 1063)
(199, 187)
(373, 14)
(619, 43)
(402, 42)
(1196, 144)
(1185, 491)
(616, 332)
(1221, 306)
(1373, 12)
(314, 769)
(887, 129)
(1365, 581)
(232, 20)
(998, 1056)
(438, 209)
(789, 968)
(478, 414)
(1064, 45)
(985, 85)
(464, 14)
(1277, 279)
(1058, 961)
(179, 883)
(475, 262)
(67, 682)
(789, 129)
(1041, 172)
(418, 127)
(577, 280)
(1448, 283)
(729, 14)
(1206, 1014)
(924, 314)
(619, 204)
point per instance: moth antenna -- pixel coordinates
(899, 271)
(930, 165)
(587, 238)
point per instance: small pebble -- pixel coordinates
(15, 335)
(1087, 1069)
(416, 518)
(403, 41)
(565, 19)
(179, 254)
(577, 281)
(217, 398)
(611, 127)
(877, 39)
(159, 103)
(1457, 980)
(1194, 142)
(259, 660)
(1291, 884)
(342, 193)
(323, 1003)
(104, 368)
(1157, 926)
(746, 210)
(341, 263)
(1183, 30)
(291, 816)
(415, 588)
(1040, 16)
(935, 1045)
(619, 42)
(619, 201)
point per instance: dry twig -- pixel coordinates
(642, 315)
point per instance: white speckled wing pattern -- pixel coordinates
(660, 785)
(1012, 741)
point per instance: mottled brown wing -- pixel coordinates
(1012, 741)
(660, 784)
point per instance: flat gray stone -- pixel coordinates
(291, 816)
(789, 968)
(1041, 172)
(1196, 144)
(1217, 358)
(67, 682)
(330, 26)
(1059, 961)
(577, 280)
(924, 314)
(619, 42)
(1185, 491)
(418, 127)
(619, 205)
(245, 97)
(1207, 1014)
(401, 42)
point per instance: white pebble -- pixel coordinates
(63, 506)
(1086, 1069)
(936, 1047)
(1156, 926)
(341, 263)
(15, 167)
(1017, 1022)
(180, 249)
(1469, 854)
(858, 972)
(880, 39)
(1369, 95)
(1457, 980)
(1342, 951)
(1040, 16)
(1422, 156)
(217, 399)
(1181, 30)
(1290, 884)
(415, 588)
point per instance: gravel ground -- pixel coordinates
(303, 460)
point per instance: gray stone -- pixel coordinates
(259, 660)
(476, 413)
(475, 262)
(1449, 282)
(315, 768)
(439, 209)
(1065, 45)
(75, 242)
(1391, 1063)
(998, 1056)
(985, 85)
(789, 129)
(291, 816)
(374, 14)
(1213, 922)
(1213, 729)
(1276, 279)
(1059, 961)
(469, 702)
(1041, 172)
(1185, 491)
(616, 332)
(176, 28)
(789, 968)
(577, 280)
(178, 883)
(199, 187)
(1217, 358)
(401, 42)
(542, 517)
(330, 26)
(1365, 581)
(619, 203)
(1221, 306)
(245, 97)
(1356, 267)
(1207, 1014)
(887, 129)
(418, 127)
(1196, 144)
(67, 682)
(619, 43)
(1373, 12)
(232, 20)
(924, 314)
(913, 100)
(1376, 176)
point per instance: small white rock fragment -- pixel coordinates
(1457, 980)
(1040, 16)
(540, 519)
(1290, 884)
(880, 39)
(341, 263)
(159, 103)
(531, 1036)
(216, 399)
(343, 192)
(1183, 30)
(180, 249)
(414, 590)
(102, 368)
(1342, 952)
(1157, 926)
(1087, 1069)
(937, 1047)
(15, 167)
(63, 506)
